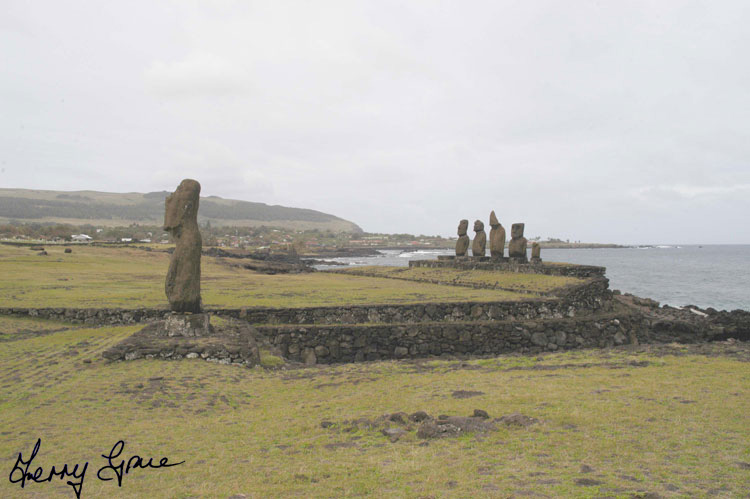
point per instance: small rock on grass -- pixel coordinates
(393, 434)
(518, 419)
(398, 417)
(419, 416)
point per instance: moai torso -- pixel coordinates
(517, 244)
(536, 251)
(183, 283)
(462, 245)
(480, 240)
(497, 237)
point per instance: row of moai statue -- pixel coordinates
(516, 246)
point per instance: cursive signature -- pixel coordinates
(21, 474)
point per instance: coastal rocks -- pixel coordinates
(462, 245)
(497, 237)
(536, 251)
(517, 244)
(480, 240)
(182, 286)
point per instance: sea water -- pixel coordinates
(707, 276)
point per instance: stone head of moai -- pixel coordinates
(181, 207)
(463, 227)
(478, 226)
(516, 231)
(494, 222)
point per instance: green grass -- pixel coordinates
(94, 277)
(22, 327)
(677, 426)
(513, 281)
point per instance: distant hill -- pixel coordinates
(114, 209)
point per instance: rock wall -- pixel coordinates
(580, 301)
(591, 297)
(353, 343)
(507, 265)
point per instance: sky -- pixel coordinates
(607, 121)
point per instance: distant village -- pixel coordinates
(252, 238)
(260, 238)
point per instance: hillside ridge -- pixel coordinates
(110, 209)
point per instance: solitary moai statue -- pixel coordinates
(497, 237)
(183, 285)
(517, 244)
(536, 252)
(462, 245)
(480, 240)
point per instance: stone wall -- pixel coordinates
(91, 316)
(506, 265)
(591, 297)
(586, 301)
(353, 343)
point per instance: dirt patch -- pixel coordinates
(588, 482)
(400, 424)
(464, 394)
(518, 419)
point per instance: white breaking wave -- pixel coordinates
(411, 254)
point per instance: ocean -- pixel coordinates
(715, 276)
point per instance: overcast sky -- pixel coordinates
(605, 121)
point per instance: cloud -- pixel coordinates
(199, 74)
(686, 191)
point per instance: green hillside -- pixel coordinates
(113, 209)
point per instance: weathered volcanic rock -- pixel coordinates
(462, 245)
(497, 237)
(517, 244)
(536, 252)
(183, 284)
(480, 240)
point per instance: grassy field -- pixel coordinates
(513, 281)
(671, 421)
(130, 278)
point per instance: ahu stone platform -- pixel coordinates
(511, 265)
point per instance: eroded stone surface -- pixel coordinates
(183, 283)
(517, 244)
(497, 237)
(480, 240)
(462, 245)
(187, 325)
(536, 252)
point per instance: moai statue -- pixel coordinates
(183, 284)
(462, 245)
(517, 244)
(536, 251)
(480, 240)
(497, 237)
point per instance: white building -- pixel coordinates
(82, 238)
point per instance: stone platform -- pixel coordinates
(506, 264)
